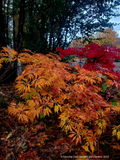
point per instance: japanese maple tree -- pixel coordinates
(98, 58)
(78, 98)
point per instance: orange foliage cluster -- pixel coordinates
(48, 86)
(7, 55)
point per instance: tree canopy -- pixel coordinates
(108, 38)
(43, 25)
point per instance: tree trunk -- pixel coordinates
(7, 23)
(2, 28)
(21, 24)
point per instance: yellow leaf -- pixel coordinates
(118, 135)
(85, 147)
(92, 147)
(10, 135)
(47, 111)
(99, 131)
(82, 158)
(57, 107)
(31, 103)
(116, 146)
(114, 131)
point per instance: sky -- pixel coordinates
(116, 20)
(117, 27)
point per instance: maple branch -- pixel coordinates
(2, 94)
(19, 46)
(2, 80)
(9, 67)
(6, 71)
(101, 118)
(14, 66)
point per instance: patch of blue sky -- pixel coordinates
(116, 20)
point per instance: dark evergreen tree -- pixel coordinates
(46, 24)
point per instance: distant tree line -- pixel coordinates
(108, 37)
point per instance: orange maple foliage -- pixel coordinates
(7, 55)
(48, 86)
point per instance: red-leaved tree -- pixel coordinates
(99, 58)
